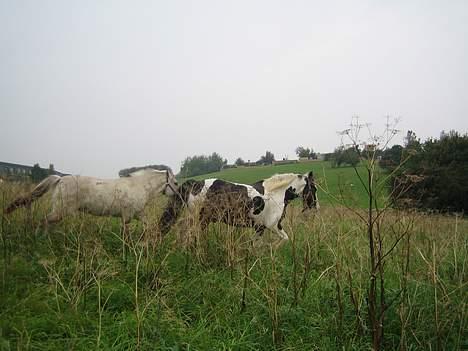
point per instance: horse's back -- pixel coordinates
(102, 196)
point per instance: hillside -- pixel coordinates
(331, 181)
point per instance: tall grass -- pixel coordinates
(67, 286)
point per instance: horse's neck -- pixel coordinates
(278, 194)
(147, 181)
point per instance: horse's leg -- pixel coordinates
(282, 234)
(125, 221)
(56, 214)
(204, 219)
(52, 218)
(258, 235)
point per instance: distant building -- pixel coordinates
(320, 157)
(14, 170)
(307, 159)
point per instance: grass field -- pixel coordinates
(341, 182)
(68, 287)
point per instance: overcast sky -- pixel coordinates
(96, 86)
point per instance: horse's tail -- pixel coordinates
(37, 192)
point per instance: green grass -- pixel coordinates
(54, 283)
(340, 182)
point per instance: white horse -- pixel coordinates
(260, 206)
(123, 197)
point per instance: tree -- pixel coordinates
(38, 173)
(215, 162)
(441, 170)
(267, 159)
(201, 164)
(51, 169)
(302, 152)
(411, 139)
(349, 156)
(391, 158)
(306, 153)
(312, 154)
(239, 162)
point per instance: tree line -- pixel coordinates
(201, 164)
(38, 173)
(432, 174)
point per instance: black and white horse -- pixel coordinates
(261, 205)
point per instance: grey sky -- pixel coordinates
(96, 86)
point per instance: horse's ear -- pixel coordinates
(310, 175)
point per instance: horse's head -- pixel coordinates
(309, 194)
(171, 187)
(159, 180)
(298, 185)
(304, 186)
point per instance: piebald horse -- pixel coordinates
(123, 197)
(260, 206)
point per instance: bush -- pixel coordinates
(441, 168)
(201, 164)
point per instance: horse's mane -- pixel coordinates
(143, 171)
(278, 181)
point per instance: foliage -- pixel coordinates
(267, 159)
(38, 173)
(67, 287)
(51, 169)
(305, 153)
(126, 171)
(239, 162)
(411, 140)
(346, 156)
(196, 165)
(391, 158)
(440, 168)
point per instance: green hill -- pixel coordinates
(340, 182)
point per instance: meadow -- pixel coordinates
(341, 182)
(77, 285)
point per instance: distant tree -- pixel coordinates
(51, 169)
(302, 152)
(239, 162)
(441, 169)
(351, 157)
(411, 140)
(126, 171)
(201, 164)
(306, 153)
(328, 156)
(345, 156)
(391, 158)
(267, 159)
(312, 154)
(38, 173)
(215, 162)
